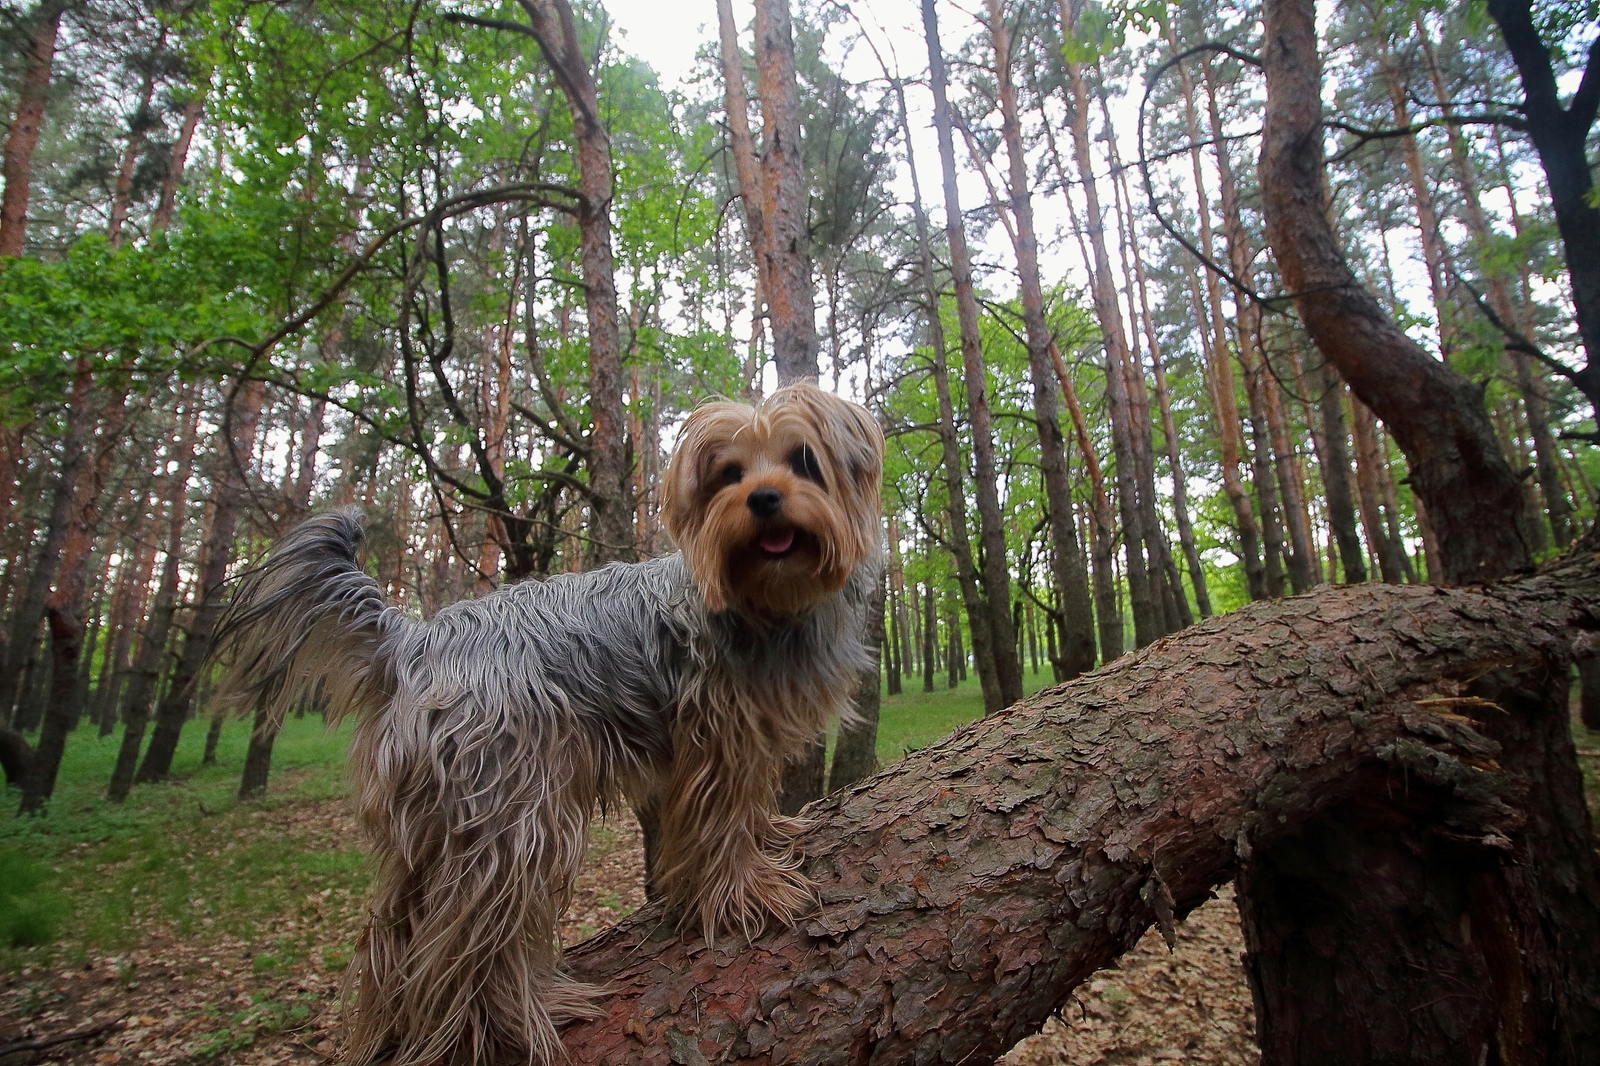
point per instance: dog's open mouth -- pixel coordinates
(776, 543)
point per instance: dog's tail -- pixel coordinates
(310, 624)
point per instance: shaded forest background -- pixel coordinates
(467, 266)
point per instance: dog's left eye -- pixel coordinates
(803, 461)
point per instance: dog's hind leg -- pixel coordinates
(478, 819)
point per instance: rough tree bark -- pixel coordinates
(968, 888)
(855, 753)
(1437, 416)
(791, 297)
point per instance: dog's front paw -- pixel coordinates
(748, 899)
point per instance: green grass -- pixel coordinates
(92, 875)
(914, 719)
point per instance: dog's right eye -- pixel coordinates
(732, 474)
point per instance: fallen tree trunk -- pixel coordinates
(967, 889)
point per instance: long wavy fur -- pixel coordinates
(487, 736)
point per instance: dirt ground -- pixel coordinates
(221, 999)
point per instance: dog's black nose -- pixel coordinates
(765, 502)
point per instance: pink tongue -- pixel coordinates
(777, 541)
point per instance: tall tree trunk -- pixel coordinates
(193, 108)
(33, 94)
(1077, 615)
(1433, 250)
(228, 500)
(1411, 982)
(972, 596)
(1146, 623)
(610, 511)
(1267, 460)
(746, 166)
(1166, 587)
(127, 608)
(23, 643)
(790, 295)
(1180, 492)
(1471, 493)
(1561, 137)
(1336, 473)
(64, 604)
(996, 575)
(1529, 377)
(1218, 361)
(855, 753)
(138, 128)
(152, 652)
(1102, 531)
(1369, 463)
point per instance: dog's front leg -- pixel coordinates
(726, 855)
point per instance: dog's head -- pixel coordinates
(775, 505)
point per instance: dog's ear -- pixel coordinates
(683, 495)
(849, 432)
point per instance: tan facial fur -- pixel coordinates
(823, 458)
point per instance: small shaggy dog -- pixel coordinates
(488, 736)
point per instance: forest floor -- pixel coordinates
(188, 928)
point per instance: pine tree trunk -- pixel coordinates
(228, 499)
(1368, 461)
(996, 576)
(1146, 623)
(1067, 558)
(1219, 367)
(23, 644)
(972, 597)
(33, 95)
(1471, 494)
(1482, 913)
(610, 511)
(152, 653)
(258, 756)
(855, 752)
(64, 604)
(1336, 473)
(1561, 137)
(791, 297)
(1529, 377)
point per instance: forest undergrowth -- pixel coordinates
(186, 926)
